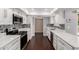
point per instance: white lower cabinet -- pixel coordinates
(2, 48)
(13, 45)
(59, 44)
(55, 41)
(48, 34)
(55, 44)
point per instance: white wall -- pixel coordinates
(71, 27)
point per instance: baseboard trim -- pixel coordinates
(38, 32)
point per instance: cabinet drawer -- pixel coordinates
(15, 47)
(64, 46)
(8, 46)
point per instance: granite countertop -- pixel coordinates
(70, 39)
(24, 29)
(5, 39)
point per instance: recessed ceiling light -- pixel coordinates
(32, 9)
(46, 9)
(54, 10)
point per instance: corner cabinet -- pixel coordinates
(59, 44)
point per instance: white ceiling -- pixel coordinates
(39, 11)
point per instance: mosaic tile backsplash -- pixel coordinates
(61, 26)
(17, 26)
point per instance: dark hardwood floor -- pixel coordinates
(39, 42)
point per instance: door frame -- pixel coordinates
(34, 22)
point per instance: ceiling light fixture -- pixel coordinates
(24, 9)
(54, 10)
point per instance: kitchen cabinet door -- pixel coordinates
(52, 19)
(16, 46)
(1, 15)
(13, 45)
(8, 16)
(59, 44)
(62, 45)
(54, 43)
(59, 19)
(5, 16)
(49, 35)
(25, 21)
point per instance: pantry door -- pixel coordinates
(38, 25)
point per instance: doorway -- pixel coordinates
(39, 25)
(78, 22)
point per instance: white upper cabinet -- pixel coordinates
(29, 19)
(1, 15)
(5, 16)
(25, 19)
(52, 20)
(59, 17)
(8, 16)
